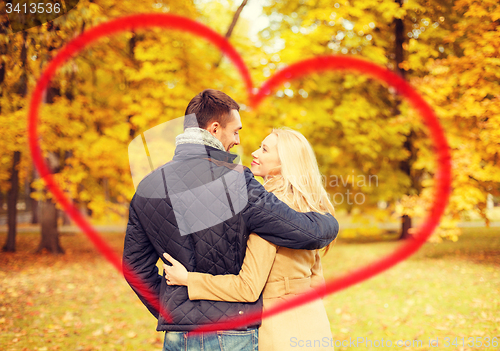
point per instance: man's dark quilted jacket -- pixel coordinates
(200, 209)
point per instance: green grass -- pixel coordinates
(77, 301)
(444, 290)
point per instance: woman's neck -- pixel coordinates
(269, 177)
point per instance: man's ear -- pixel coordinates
(213, 128)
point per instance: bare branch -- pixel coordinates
(232, 25)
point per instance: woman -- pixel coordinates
(288, 165)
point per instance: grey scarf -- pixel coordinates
(199, 136)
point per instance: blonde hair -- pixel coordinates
(299, 183)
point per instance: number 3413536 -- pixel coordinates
(34, 7)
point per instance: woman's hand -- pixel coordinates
(176, 274)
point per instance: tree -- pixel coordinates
(19, 90)
(406, 164)
(359, 115)
(349, 119)
(462, 83)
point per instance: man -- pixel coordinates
(200, 208)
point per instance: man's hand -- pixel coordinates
(176, 274)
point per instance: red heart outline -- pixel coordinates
(300, 69)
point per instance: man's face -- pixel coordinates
(228, 136)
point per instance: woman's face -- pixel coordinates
(265, 159)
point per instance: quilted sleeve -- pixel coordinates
(276, 222)
(139, 264)
(244, 287)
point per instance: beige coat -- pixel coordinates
(281, 274)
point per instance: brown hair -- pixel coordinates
(209, 106)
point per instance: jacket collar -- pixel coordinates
(195, 135)
(186, 151)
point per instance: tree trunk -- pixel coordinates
(21, 90)
(405, 226)
(400, 39)
(131, 47)
(10, 244)
(4, 24)
(50, 234)
(66, 220)
(65, 217)
(405, 165)
(34, 202)
(49, 238)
